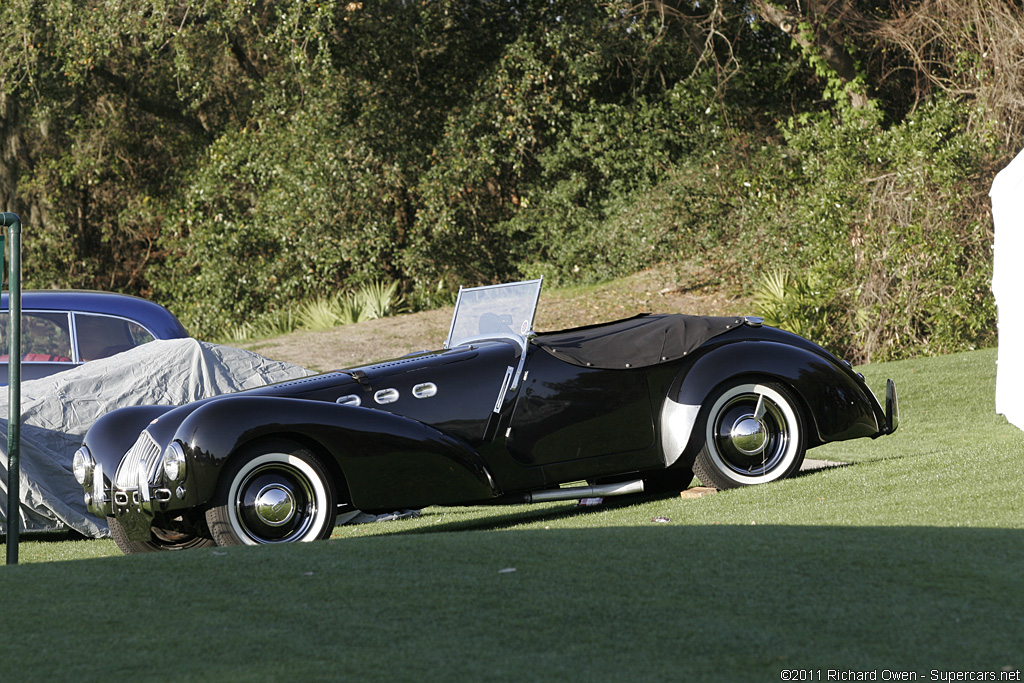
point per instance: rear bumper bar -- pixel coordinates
(892, 408)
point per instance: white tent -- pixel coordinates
(1008, 286)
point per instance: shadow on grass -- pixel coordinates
(724, 602)
(511, 517)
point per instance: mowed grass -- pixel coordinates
(911, 560)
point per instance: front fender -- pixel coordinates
(108, 439)
(386, 461)
(835, 400)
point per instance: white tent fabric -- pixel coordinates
(1008, 286)
(58, 410)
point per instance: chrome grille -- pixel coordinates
(139, 465)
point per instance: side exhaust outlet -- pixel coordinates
(574, 492)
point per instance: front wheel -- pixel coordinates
(753, 434)
(277, 492)
(160, 539)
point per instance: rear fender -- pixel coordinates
(385, 460)
(837, 404)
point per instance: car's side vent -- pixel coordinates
(425, 390)
(386, 396)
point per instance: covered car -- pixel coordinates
(498, 415)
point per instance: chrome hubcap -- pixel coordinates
(275, 505)
(749, 435)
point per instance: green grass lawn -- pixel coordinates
(911, 559)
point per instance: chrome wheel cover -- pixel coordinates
(752, 435)
(277, 498)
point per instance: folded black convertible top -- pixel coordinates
(640, 341)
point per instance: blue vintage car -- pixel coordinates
(64, 328)
(498, 415)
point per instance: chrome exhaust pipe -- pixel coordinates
(600, 491)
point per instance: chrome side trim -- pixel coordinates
(617, 489)
(504, 388)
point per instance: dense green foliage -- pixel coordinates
(234, 158)
(889, 244)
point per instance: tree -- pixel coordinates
(824, 30)
(99, 126)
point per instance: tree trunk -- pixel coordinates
(10, 153)
(15, 161)
(822, 40)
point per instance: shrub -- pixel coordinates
(894, 225)
(373, 300)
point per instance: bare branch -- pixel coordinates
(149, 105)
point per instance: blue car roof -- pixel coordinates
(153, 316)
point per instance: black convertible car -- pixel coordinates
(499, 415)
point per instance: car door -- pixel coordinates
(565, 412)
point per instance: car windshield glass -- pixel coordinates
(495, 311)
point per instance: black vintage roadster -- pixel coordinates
(498, 415)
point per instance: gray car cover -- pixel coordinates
(58, 410)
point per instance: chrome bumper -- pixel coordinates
(892, 408)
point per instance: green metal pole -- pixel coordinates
(13, 225)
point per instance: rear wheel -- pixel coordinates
(275, 492)
(160, 539)
(753, 434)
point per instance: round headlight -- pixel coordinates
(174, 462)
(83, 465)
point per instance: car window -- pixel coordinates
(45, 337)
(100, 336)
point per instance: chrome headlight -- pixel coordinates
(83, 466)
(174, 462)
